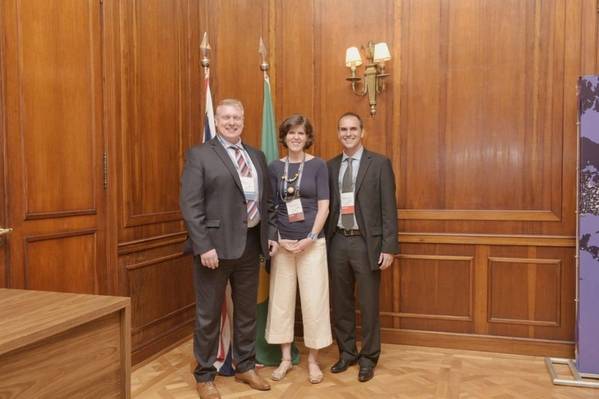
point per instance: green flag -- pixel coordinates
(270, 148)
(266, 354)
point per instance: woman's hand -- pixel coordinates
(289, 245)
(302, 245)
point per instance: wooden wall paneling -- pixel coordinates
(478, 117)
(4, 266)
(172, 309)
(588, 37)
(235, 59)
(481, 288)
(155, 111)
(524, 291)
(395, 91)
(64, 261)
(296, 80)
(160, 83)
(111, 55)
(479, 39)
(531, 292)
(575, 39)
(512, 291)
(439, 276)
(387, 299)
(359, 22)
(436, 287)
(53, 122)
(420, 114)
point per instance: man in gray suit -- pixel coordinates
(227, 207)
(362, 240)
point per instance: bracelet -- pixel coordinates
(313, 236)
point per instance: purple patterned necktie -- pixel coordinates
(246, 171)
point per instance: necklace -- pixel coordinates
(289, 191)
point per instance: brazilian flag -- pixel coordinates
(266, 354)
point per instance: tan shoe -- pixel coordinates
(207, 390)
(252, 378)
(315, 375)
(282, 370)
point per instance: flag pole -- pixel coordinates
(266, 354)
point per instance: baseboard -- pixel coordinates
(486, 343)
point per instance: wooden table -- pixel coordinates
(58, 345)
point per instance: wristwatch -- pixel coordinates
(312, 235)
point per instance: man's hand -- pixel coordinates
(385, 260)
(273, 247)
(210, 259)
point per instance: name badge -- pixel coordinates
(249, 188)
(347, 203)
(295, 211)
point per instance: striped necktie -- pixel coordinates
(245, 171)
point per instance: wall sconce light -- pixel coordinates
(374, 74)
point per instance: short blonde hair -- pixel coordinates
(232, 102)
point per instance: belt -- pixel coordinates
(348, 232)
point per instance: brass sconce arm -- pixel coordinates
(373, 79)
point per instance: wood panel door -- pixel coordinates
(52, 120)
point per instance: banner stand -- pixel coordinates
(577, 379)
(587, 243)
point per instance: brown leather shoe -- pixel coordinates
(207, 390)
(252, 378)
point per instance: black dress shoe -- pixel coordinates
(365, 374)
(342, 365)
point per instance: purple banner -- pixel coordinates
(587, 329)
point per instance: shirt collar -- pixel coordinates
(228, 144)
(357, 155)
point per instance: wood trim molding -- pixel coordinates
(487, 239)
(525, 261)
(487, 343)
(426, 316)
(154, 261)
(468, 317)
(476, 214)
(59, 214)
(53, 236)
(131, 220)
(143, 244)
(435, 257)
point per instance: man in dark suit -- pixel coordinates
(362, 240)
(227, 207)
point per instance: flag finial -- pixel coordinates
(263, 53)
(205, 50)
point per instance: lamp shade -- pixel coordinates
(381, 52)
(352, 57)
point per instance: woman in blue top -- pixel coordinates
(301, 192)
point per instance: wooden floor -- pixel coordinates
(403, 372)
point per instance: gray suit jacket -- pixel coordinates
(214, 206)
(375, 207)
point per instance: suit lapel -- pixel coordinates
(364, 164)
(224, 157)
(336, 169)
